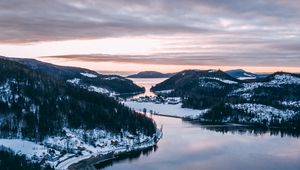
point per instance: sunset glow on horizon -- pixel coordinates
(126, 68)
(164, 36)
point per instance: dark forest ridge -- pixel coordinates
(109, 84)
(151, 74)
(30, 94)
(237, 73)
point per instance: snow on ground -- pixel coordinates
(248, 75)
(165, 109)
(5, 92)
(102, 142)
(246, 78)
(164, 91)
(217, 85)
(89, 75)
(285, 79)
(246, 91)
(79, 144)
(24, 147)
(291, 103)
(98, 89)
(263, 112)
(278, 80)
(101, 90)
(113, 78)
(222, 80)
(74, 81)
(7, 95)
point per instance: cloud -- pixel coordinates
(32, 21)
(248, 32)
(212, 59)
(49, 20)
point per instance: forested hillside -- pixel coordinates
(270, 101)
(109, 84)
(35, 104)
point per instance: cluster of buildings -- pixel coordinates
(157, 99)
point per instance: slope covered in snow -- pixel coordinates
(63, 120)
(76, 82)
(165, 109)
(90, 75)
(262, 113)
(219, 79)
(268, 99)
(78, 144)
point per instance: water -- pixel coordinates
(147, 83)
(193, 146)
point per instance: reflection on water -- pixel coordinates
(193, 146)
(147, 83)
(127, 157)
(241, 130)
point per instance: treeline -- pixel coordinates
(206, 97)
(224, 113)
(39, 105)
(11, 161)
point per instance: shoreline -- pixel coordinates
(171, 116)
(89, 161)
(93, 160)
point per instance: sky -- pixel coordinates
(165, 35)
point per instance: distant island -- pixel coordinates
(151, 74)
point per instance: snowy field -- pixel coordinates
(24, 147)
(165, 109)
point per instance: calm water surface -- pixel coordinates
(192, 146)
(147, 83)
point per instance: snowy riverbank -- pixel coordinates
(165, 109)
(78, 145)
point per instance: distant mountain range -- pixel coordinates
(151, 74)
(270, 101)
(238, 73)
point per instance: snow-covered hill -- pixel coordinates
(78, 144)
(272, 100)
(59, 122)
